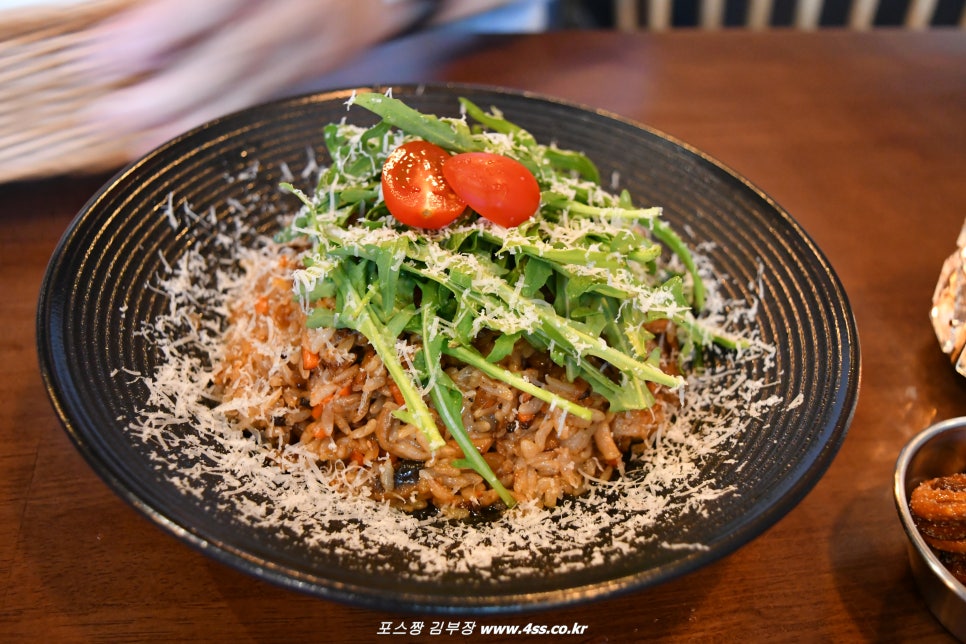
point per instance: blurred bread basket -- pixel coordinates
(46, 86)
(948, 312)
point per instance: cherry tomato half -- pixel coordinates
(499, 188)
(414, 189)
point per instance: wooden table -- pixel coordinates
(862, 137)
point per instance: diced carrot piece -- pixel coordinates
(396, 393)
(317, 409)
(261, 305)
(310, 359)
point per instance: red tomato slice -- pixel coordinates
(414, 189)
(499, 188)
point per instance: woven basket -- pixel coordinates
(42, 82)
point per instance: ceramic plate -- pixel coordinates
(100, 292)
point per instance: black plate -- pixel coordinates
(97, 295)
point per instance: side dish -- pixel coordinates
(938, 507)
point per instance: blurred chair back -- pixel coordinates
(657, 15)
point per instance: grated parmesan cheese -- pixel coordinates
(288, 492)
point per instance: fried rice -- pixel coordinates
(327, 391)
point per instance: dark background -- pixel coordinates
(588, 14)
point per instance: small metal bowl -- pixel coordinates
(939, 450)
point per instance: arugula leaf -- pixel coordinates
(448, 399)
(424, 126)
(356, 313)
